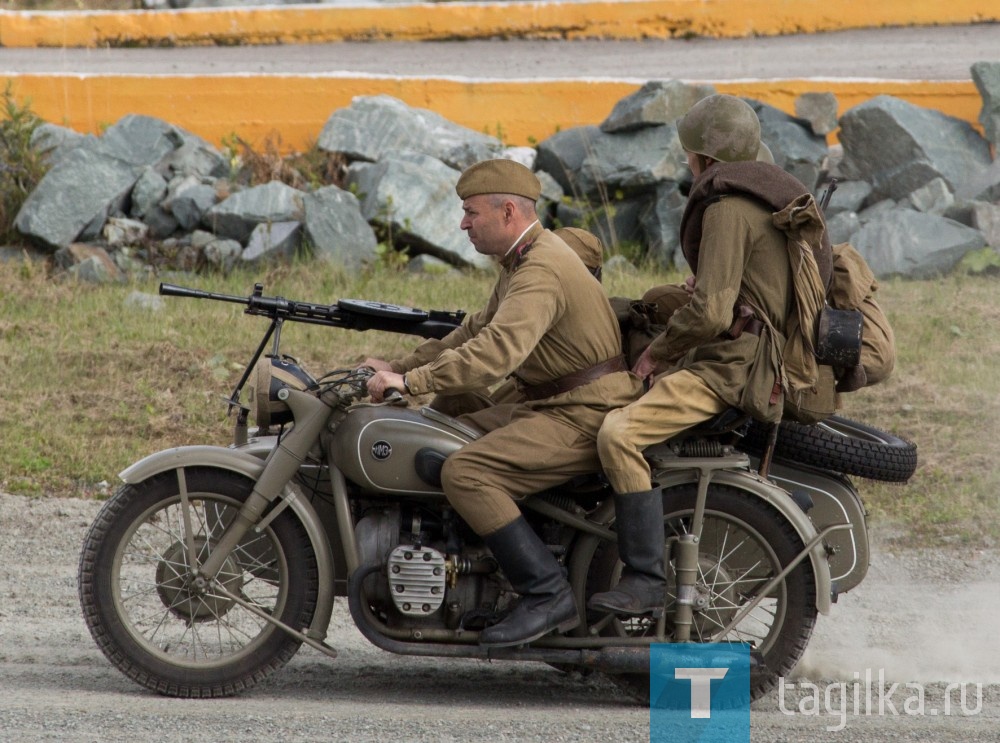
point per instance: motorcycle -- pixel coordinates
(211, 565)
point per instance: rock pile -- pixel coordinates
(917, 190)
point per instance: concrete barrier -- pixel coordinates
(296, 107)
(633, 19)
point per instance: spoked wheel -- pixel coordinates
(744, 543)
(167, 628)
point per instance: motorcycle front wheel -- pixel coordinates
(165, 629)
(744, 543)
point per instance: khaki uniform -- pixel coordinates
(743, 256)
(547, 317)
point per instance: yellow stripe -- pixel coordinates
(640, 19)
(297, 107)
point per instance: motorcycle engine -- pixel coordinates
(430, 579)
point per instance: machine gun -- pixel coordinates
(349, 314)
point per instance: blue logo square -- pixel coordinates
(699, 693)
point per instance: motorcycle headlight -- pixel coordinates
(271, 374)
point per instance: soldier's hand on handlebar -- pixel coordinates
(383, 381)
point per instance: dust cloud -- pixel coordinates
(923, 616)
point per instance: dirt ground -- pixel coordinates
(923, 619)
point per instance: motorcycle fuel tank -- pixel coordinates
(396, 450)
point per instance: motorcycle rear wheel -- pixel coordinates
(159, 628)
(744, 543)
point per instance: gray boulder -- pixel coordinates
(411, 197)
(90, 263)
(218, 252)
(899, 147)
(913, 244)
(842, 226)
(54, 141)
(119, 232)
(140, 140)
(631, 161)
(619, 223)
(986, 76)
(986, 219)
(373, 127)
(336, 230)
(657, 102)
(189, 199)
(792, 142)
(849, 196)
(273, 241)
(934, 197)
(195, 156)
(150, 189)
(82, 188)
(562, 154)
(819, 109)
(236, 216)
(661, 225)
(93, 180)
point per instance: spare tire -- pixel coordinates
(840, 445)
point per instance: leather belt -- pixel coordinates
(572, 381)
(743, 322)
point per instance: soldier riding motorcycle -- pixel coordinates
(210, 566)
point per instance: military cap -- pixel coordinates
(498, 176)
(585, 244)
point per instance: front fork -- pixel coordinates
(311, 414)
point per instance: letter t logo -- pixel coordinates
(701, 688)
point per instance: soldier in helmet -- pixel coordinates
(722, 346)
(549, 324)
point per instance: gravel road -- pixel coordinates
(923, 618)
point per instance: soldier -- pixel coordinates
(589, 249)
(723, 346)
(549, 324)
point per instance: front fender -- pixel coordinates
(218, 457)
(250, 466)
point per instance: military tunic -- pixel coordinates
(743, 259)
(547, 317)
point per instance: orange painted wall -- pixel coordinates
(296, 107)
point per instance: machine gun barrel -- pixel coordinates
(173, 290)
(347, 314)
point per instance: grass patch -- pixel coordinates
(21, 166)
(91, 385)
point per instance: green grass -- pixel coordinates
(90, 385)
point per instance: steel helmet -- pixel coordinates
(722, 127)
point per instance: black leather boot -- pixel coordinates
(639, 522)
(546, 600)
